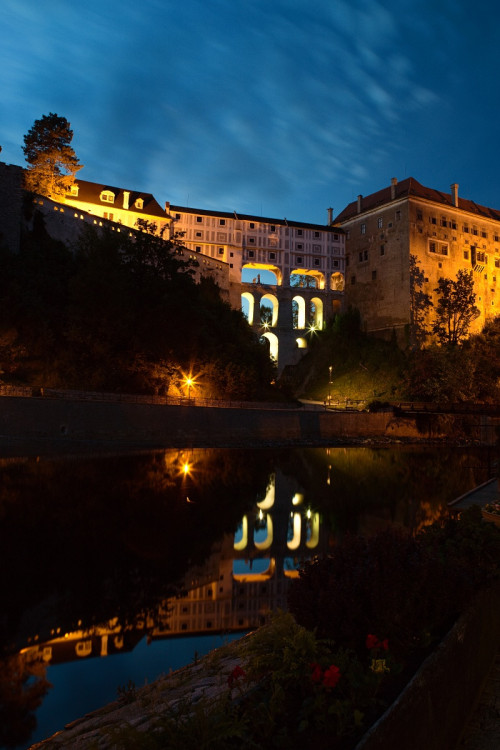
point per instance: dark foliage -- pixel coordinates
(404, 588)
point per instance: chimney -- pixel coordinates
(394, 182)
(330, 216)
(360, 197)
(126, 197)
(454, 194)
(167, 207)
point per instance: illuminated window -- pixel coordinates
(107, 196)
(139, 203)
(108, 216)
(74, 189)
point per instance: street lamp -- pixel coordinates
(330, 385)
(189, 382)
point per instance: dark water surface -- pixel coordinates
(117, 569)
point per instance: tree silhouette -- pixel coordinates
(420, 304)
(455, 309)
(52, 163)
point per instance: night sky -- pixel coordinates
(278, 108)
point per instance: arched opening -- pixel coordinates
(299, 312)
(307, 279)
(261, 273)
(272, 339)
(268, 310)
(301, 343)
(337, 282)
(316, 318)
(254, 569)
(248, 306)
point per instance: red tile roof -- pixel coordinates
(408, 188)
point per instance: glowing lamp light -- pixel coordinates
(186, 468)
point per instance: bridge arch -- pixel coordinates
(257, 267)
(248, 306)
(304, 277)
(317, 312)
(274, 305)
(273, 344)
(337, 282)
(299, 312)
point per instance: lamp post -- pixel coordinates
(189, 383)
(330, 385)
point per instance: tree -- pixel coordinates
(52, 163)
(420, 304)
(455, 309)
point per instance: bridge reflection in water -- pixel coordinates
(244, 579)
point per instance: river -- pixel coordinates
(119, 568)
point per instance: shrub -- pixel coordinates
(403, 588)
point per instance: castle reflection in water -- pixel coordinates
(246, 576)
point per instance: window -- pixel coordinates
(316, 234)
(382, 249)
(221, 251)
(432, 247)
(497, 262)
(363, 228)
(432, 219)
(316, 261)
(299, 232)
(199, 234)
(484, 234)
(272, 256)
(374, 274)
(139, 204)
(108, 216)
(335, 264)
(365, 255)
(199, 219)
(443, 249)
(251, 254)
(222, 222)
(398, 215)
(466, 255)
(300, 246)
(316, 248)
(380, 223)
(360, 257)
(298, 259)
(420, 216)
(198, 249)
(107, 196)
(465, 228)
(73, 189)
(474, 230)
(496, 238)
(273, 228)
(353, 279)
(251, 240)
(252, 225)
(348, 234)
(177, 216)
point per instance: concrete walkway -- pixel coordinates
(482, 731)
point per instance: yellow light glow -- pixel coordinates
(186, 468)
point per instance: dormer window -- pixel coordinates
(107, 196)
(73, 189)
(139, 203)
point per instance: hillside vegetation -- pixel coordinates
(368, 369)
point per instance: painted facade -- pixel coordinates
(443, 231)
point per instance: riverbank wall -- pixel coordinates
(71, 421)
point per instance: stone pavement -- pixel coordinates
(482, 731)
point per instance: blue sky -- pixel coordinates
(278, 108)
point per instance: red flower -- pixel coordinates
(235, 675)
(373, 642)
(317, 673)
(331, 676)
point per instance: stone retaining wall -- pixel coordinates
(153, 425)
